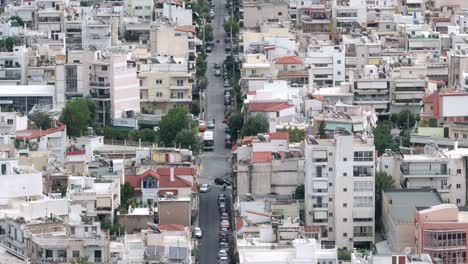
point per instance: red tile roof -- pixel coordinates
(268, 106)
(172, 227)
(165, 182)
(258, 213)
(279, 136)
(289, 60)
(76, 152)
(251, 92)
(310, 229)
(164, 178)
(177, 171)
(36, 133)
(261, 157)
(185, 29)
(135, 180)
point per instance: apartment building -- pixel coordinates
(96, 34)
(13, 66)
(409, 86)
(458, 67)
(142, 9)
(372, 89)
(165, 82)
(339, 189)
(443, 170)
(172, 243)
(441, 232)
(326, 64)
(316, 21)
(291, 69)
(349, 14)
(426, 41)
(255, 68)
(254, 12)
(10, 122)
(19, 181)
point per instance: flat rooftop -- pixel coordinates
(404, 201)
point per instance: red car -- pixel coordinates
(201, 127)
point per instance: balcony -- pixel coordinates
(183, 87)
(319, 192)
(99, 84)
(100, 95)
(423, 173)
(361, 234)
(321, 206)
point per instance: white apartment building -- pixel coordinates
(339, 189)
(326, 65)
(18, 181)
(254, 13)
(14, 66)
(142, 9)
(349, 13)
(441, 169)
(361, 51)
(10, 122)
(372, 89)
(409, 86)
(96, 34)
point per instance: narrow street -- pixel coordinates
(214, 163)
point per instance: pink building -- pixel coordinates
(440, 231)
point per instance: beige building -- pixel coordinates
(255, 12)
(175, 210)
(255, 67)
(164, 83)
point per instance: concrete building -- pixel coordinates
(301, 251)
(372, 89)
(13, 66)
(363, 258)
(254, 13)
(165, 82)
(398, 221)
(19, 181)
(10, 122)
(339, 189)
(409, 88)
(265, 164)
(326, 65)
(349, 14)
(444, 170)
(361, 51)
(172, 243)
(96, 34)
(441, 232)
(142, 9)
(255, 67)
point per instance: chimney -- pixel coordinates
(171, 169)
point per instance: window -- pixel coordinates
(363, 155)
(363, 186)
(49, 254)
(345, 159)
(458, 201)
(138, 7)
(141, 82)
(458, 171)
(75, 254)
(159, 94)
(180, 95)
(330, 169)
(330, 184)
(147, 17)
(94, 229)
(345, 205)
(345, 234)
(458, 186)
(387, 26)
(330, 214)
(72, 230)
(455, 135)
(345, 220)
(386, 166)
(104, 68)
(362, 171)
(148, 7)
(4, 168)
(345, 189)
(10, 121)
(97, 256)
(149, 182)
(338, 73)
(254, 72)
(464, 135)
(180, 82)
(338, 62)
(86, 229)
(330, 229)
(330, 154)
(362, 201)
(62, 254)
(330, 199)
(345, 174)
(280, 13)
(158, 81)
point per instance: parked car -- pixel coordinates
(225, 223)
(197, 232)
(224, 245)
(223, 260)
(222, 205)
(223, 239)
(226, 83)
(227, 130)
(217, 73)
(210, 124)
(217, 66)
(224, 234)
(220, 181)
(222, 253)
(201, 126)
(204, 188)
(222, 210)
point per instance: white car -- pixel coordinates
(222, 253)
(225, 224)
(197, 232)
(205, 188)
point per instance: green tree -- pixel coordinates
(195, 107)
(148, 135)
(134, 135)
(172, 123)
(235, 124)
(81, 260)
(77, 116)
(383, 182)
(406, 119)
(41, 120)
(406, 140)
(132, 36)
(232, 23)
(382, 137)
(295, 134)
(206, 33)
(188, 138)
(16, 21)
(300, 192)
(8, 43)
(254, 125)
(127, 193)
(322, 132)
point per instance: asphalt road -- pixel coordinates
(214, 163)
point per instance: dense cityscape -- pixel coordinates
(233, 131)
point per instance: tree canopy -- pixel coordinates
(8, 43)
(187, 138)
(383, 182)
(78, 115)
(254, 125)
(145, 134)
(295, 134)
(16, 21)
(404, 119)
(195, 107)
(300, 192)
(172, 123)
(41, 119)
(127, 193)
(382, 137)
(232, 23)
(235, 124)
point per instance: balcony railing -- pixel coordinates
(321, 205)
(363, 234)
(409, 172)
(100, 96)
(99, 84)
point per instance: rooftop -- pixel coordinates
(289, 60)
(268, 106)
(404, 201)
